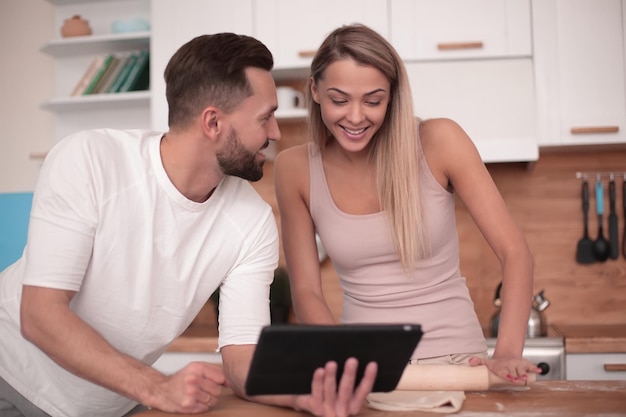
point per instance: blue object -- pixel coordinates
(130, 25)
(600, 197)
(14, 216)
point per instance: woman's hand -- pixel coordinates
(512, 369)
(328, 400)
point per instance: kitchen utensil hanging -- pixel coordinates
(601, 247)
(624, 218)
(613, 229)
(613, 241)
(584, 249)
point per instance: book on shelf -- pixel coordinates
(88, 75)
(139, 75)
(98, 76)
(109, 75)
(128, 63)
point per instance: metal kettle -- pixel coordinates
(537, 325)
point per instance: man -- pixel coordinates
(131, 232)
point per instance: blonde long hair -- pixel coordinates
(395, 147)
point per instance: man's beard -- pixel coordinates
(235, 160)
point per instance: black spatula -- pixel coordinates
(613, 230)
(584, 250)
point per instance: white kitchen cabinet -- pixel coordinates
(579, 53)
(460, 29)
(595, 366)
(73, 55)
(175, 23)
(294, 29)
(172, 362)
(493, 100)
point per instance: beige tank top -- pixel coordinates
(376, 287)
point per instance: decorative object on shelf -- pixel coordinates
(75, 26)
(289, 98)
(130, 25)
(280, 297)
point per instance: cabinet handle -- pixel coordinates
(307, 53)
(584, 130)
(459, 45)
(615, 367)
(38, 155)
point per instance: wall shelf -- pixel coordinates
(98, 101)
(96, 44)
(291, 114)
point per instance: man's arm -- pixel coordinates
(48, 322)
(326, 399)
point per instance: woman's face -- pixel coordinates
(353, 99)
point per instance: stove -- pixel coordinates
(548, 353)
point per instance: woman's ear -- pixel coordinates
(314, 92)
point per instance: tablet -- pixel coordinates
(287, 355)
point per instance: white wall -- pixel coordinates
(25, 82)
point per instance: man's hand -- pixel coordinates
(328, 400)
(193, 389)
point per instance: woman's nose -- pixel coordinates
(355, 113)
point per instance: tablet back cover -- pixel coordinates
(287, 355)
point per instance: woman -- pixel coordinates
(378, 186)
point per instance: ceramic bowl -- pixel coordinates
(130, 25)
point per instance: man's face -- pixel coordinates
(234, 159)
(252, 126)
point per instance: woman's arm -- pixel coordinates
(291, 177)
(457, 165)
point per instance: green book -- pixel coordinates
(138, 77)
(109, 75)
(91, 71)
(129, 61)
(94, 82)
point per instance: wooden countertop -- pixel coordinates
(609, 338)
(196, 339)
(544, 398)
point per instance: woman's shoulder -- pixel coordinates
(439, 128)
(443, 134)
(292, 160)
(446, 146)
(294, 155)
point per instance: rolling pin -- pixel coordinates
(453, 378)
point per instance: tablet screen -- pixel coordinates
(287, 355)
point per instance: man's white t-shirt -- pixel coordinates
(108, 223)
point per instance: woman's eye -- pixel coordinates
(374, 103)
(336, 101)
